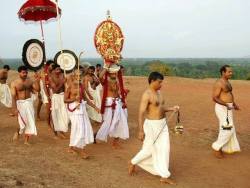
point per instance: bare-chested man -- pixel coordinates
(81, 130)
(5, 94)
(93, 91)
(22, 104)
(115, 122)
(223, 97)
(58, 109)
(44, 94)
(154, 155)
(98, 69)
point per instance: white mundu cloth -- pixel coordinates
(59, 112)
(154, 155)
(115, 121)
(227, 140)
(5, 95)
(81, 129)
(96, 94)
(26, 117)
(42, 93)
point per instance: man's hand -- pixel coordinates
(230, 107)
(91, 98)
(141, 135)
(78, 105)
(98, 110)
(176, 108)
(236, 107)
(78, 99)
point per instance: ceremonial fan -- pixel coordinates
(108, 40)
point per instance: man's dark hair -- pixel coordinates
(224, 68)
(49, 62)
(92, 68)
(155, 76)
(54, 66)
(98, 65)
(6, 67)
(22, 68)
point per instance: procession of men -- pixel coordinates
(73, 102)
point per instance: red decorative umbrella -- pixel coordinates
(38, 11)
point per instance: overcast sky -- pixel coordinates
(152, 28)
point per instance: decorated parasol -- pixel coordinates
(34, 11)
(109, 40)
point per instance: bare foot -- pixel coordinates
(116, 145)
(15, 137)
(49, 128)
(131, 169)
(167, 181)
(63, 136)
(218, 154)
(71, 150)
(27, 143)
(84, 155)
(56, 137)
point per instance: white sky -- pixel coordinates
(153, 28)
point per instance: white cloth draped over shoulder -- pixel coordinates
(115, 121)
(81, 130)
(96, 94)
(5, 95)
(59, 112)
(26, 117)
(154, 157)
(227, 140)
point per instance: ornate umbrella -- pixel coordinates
(38, 11)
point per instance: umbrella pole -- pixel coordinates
(78, 70)
(60, 35)
(43, 40)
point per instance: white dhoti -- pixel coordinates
(95, 93)
(42, 93)
(59, 112)
(34, 97)
(115, 121)
(81, 130)
(5, 95)
(26, 117)
(154, 157)
(227, 140)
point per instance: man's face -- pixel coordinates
(228, 73)
(157, 84)
(91, 71)
(58, 70)
(98, 69)
(50, 67)
(112, 75)
(23, 74)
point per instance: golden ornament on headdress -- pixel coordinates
(109, 40)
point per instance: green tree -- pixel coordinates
(158, 66)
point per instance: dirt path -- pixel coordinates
(47, 164)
